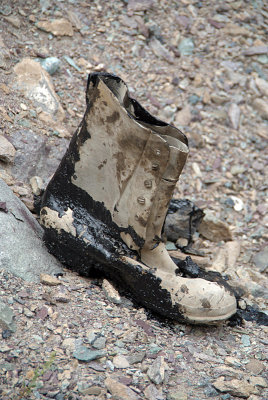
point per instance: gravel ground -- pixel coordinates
(203, 67)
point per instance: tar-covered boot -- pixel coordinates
(105, 206)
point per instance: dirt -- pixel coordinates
(203, 67)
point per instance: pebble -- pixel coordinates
(136, 357)
(120, 391)
(186, 47)
(260, 259)
(184, 116)
(152, 393)
(255, 366)
(110, 292)
(261, 106)
(245, 339)
(82, 353)
(35, 83)
(234, 115)
(213, 229)
(58, 27)
(156, 371)
(236, 387)
(161, 52)
(120, 361)
(7, 150)
(7, 317)
(50, 64)
(49, 280)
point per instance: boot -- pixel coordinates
(105, 206)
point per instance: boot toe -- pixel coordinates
(206, 302)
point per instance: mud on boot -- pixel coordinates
(106, 204)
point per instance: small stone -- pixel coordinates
(262, 85)
(6, 317)
(245, 339)
(186, 47)
(234, 115)
(49, 280)
(232, 250)
(96, 339)
(35, 83)
(82, 353)
(152, 393)
(136, 357)
(213, 229)
(255, 366)
(7, 150)
(238, 203)
(255, 50)
(120, 361)
(36, 184)
(184, 116)
(110, 292)
(14, 21)
(156, 371)
(120, 391)
(177, 394)
(68, 343)
(237, 169)
(236, 387)
(261, 106)
(260, 259)
(50, 64)
(161, 52)
(58, 27)
(258, 381)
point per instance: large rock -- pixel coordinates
(36, 155)
(213, 229)
(22, 251)
(35, 83)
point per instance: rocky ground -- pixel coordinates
(203, 67)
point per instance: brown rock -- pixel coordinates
(161, 52)
(236, 30)
(110, 292)
(236, 387)
(120, 391)
(184, 116)
(120, 361)
(49, 280)
(14, 21)
(261, 106)
(213, 229)
(232, 249)
(255, 366)
(7, 150)
(59, 27)
(35, 83)
(262, 85)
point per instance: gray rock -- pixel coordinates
(152, 393)
(45, 155)
(234, 115)
(7, 150)
(261, 260)
(82, 353)
(6, 317)
(156, 371)
(50, 64)
(136, 357)
(22, 251)
(186, 47)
